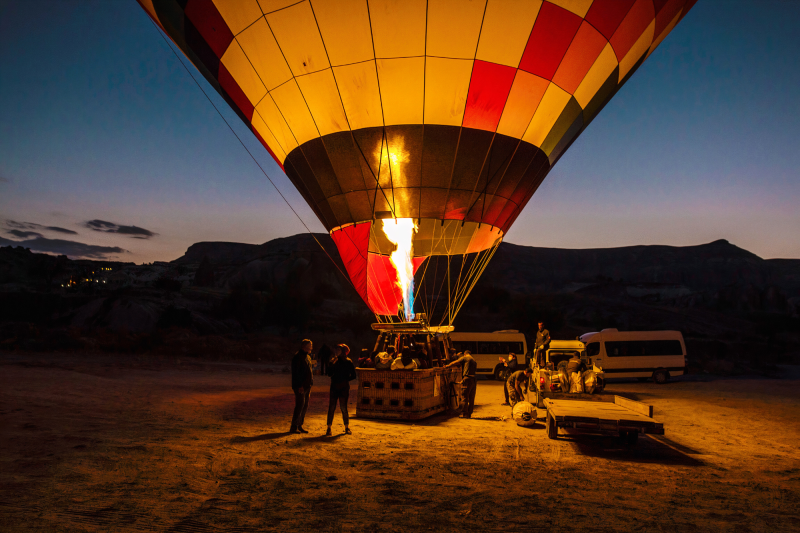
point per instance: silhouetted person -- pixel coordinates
(323, 356)
(469, 383)
(342, 372)
(302, 379)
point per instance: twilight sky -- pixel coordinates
(109, 150)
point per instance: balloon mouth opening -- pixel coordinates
(400, 232)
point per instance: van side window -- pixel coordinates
(592, 349)
(461, 346)
(643, 348)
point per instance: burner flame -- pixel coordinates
(400, 231)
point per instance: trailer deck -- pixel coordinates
(603, 415)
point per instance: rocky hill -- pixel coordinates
(737, 311)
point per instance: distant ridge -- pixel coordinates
(529, 269)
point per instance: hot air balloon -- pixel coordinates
(417, 130)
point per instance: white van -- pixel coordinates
(637, 354)
(488, 348)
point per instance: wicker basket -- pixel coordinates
(404, 394)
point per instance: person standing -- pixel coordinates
(469, 384)
(342, 371)
(510, 367)
(541, 344)
(302, 380)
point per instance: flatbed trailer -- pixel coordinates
(603, 414)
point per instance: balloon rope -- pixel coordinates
(250, 154)
(485, 263)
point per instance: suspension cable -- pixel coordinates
(248, 152)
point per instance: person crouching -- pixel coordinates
(517, 386)
(342, 372)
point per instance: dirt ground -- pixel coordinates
(117, 443)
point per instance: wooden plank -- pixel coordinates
(594, 410)
(633, 405)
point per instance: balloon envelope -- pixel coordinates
(449, 112)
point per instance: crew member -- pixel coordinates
(542, 343)
(575, 364)
(342, 372)
(302, 379)
(510, 367)
(468, 382)
(516, 386)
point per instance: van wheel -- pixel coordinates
(660, 376)
(500, 373)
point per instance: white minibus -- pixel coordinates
(488, 348)
(637, 354)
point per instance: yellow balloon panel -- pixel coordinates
(446, 86)
(242, 71)
(268, 6)
(294, 109)
(272, 117)
(345, 29)
(506, 27)
(398, 27)
(358, 85)
(298, 38)
(320, 93)
(266, 134)
(261, 49)
(402, 83)
(453, 28)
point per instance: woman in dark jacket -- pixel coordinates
(342, 372)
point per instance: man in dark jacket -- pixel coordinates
(302, 379)
(342, 372)
(469, 385)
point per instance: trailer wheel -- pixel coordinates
(629, 437)
(552, 429)
(660, 376)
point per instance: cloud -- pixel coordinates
(111, 227)
(24, 234)
(32, 226)
(61, 230)
(75, 250)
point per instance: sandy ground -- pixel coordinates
(98, 444)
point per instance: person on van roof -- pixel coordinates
(542, 343)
